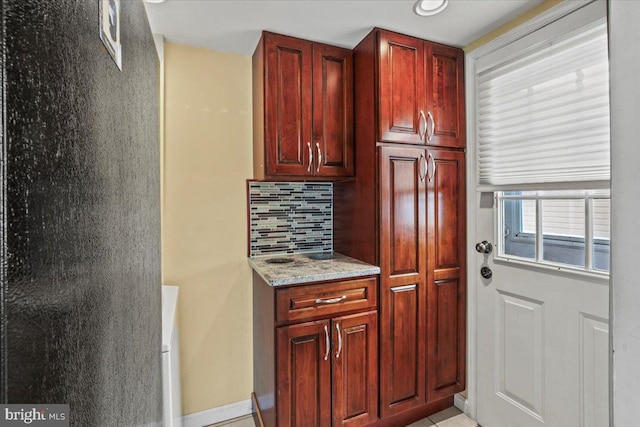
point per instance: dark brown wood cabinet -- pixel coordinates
(446, 290)
(402, 99)
(421, 91)
(445, 96)
(403, 271)
(333, 111)
(316, 363)
(422, 292)
(355, 369)
(388, 353)
(304, 374)
(303, 109)
(287, 103)
(405, 211)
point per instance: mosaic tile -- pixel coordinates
(290, 217)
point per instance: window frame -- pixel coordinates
(539, 196)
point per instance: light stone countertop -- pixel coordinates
(304, 269)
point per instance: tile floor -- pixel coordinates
(450, 417)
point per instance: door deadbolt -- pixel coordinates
(484, 247)
(486, 273)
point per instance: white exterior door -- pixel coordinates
(540, 351)
(542, 341)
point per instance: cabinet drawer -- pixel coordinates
(305, 302)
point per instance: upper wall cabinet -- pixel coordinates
(303, 109)
(420, 91)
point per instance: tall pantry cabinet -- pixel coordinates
(405, 211)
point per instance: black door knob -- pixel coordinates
(486, 273)
(484, 247)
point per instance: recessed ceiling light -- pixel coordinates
(430, 7)
(154, 1)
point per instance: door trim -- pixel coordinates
(473, 196)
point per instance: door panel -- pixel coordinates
(333, 110)
(542, 342)
(447, 181)
(447, 326)
(594, 374)
(355, 369)
(404, 344)
(520, 364)
(405, 219)
(304, 376)
(445, 95)
(446, 319)
(403, 278)
(401, 93)
(402, 215)
(288, 105)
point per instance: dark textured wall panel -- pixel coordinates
(82, 213)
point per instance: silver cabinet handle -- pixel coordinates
(426, 166)
(422, 117)
(310, 157)
(433, 172)
(327, 342)
(319, 157)
(433, 127)
(420, 175)
(330, 300)
(339, 341)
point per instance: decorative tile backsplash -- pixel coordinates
(290, 217)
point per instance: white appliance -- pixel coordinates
(170, 359)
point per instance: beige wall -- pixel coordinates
(208, 157)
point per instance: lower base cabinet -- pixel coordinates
(316, 350)
(355, 370)
(304, 374)
(327, 372)
(320, 370)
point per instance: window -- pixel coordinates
(564, 229)
(543, 142)
(542, 108)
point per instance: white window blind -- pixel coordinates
(543, 113)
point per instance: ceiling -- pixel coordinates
(235, 25)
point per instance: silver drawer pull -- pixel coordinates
(330, 300)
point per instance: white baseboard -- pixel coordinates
(459, 401)
(218, 415)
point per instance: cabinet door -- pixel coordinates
(355, 369)
(288, 105)
(403, 266)
(445, 92)
(332, 110)
(446, 293)
(402, 95)
(304, 375)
